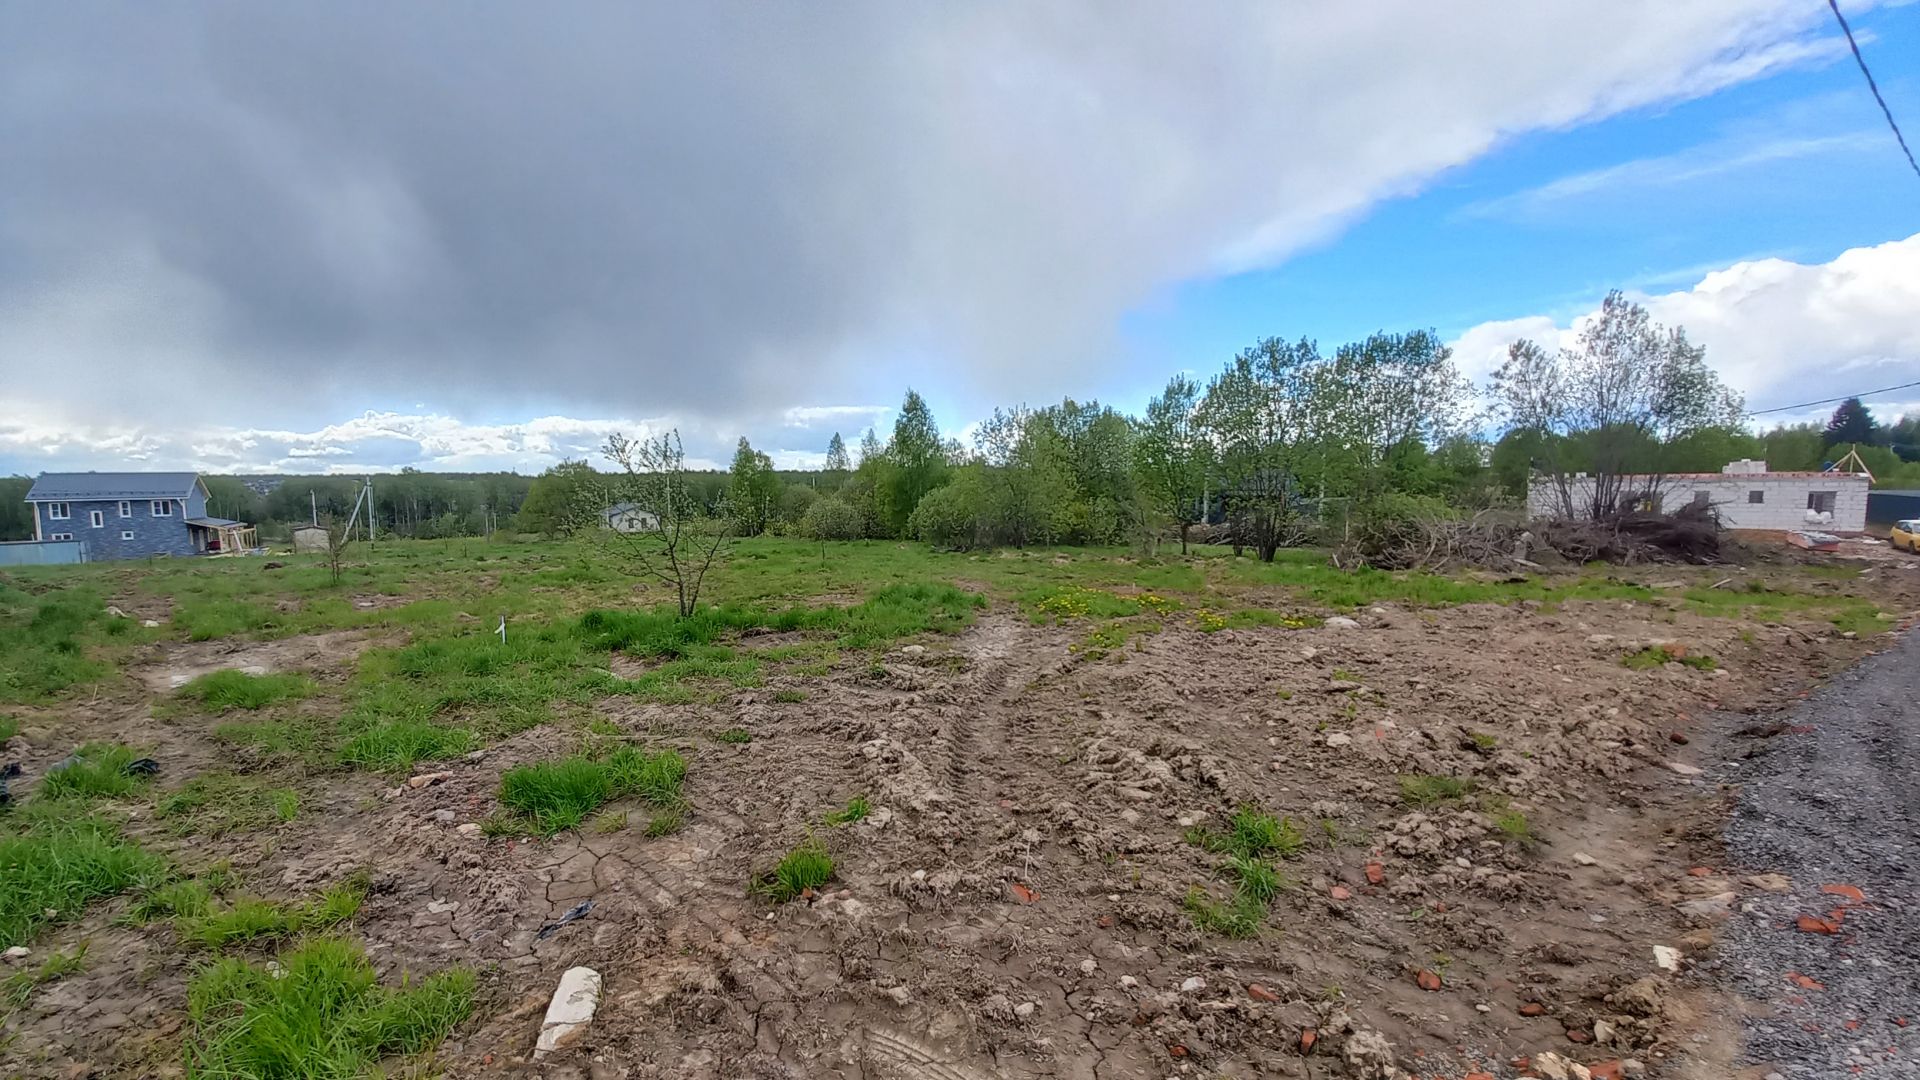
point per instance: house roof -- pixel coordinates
(80, 486)
(213, 523)
(620, 508)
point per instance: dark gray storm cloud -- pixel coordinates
(259, 212)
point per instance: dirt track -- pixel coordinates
(1833, 804)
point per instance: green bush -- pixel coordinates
(952, 516)
(833, 518)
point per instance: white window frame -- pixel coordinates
(161, 508)
(59, 511)
(126, 534)
(96, 519)
(126, 508)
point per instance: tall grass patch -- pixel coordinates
(553, 796)
(52, 867)
(222, 803)
(226, 690)
(318, 1011)
(96, 771)
(44, 642)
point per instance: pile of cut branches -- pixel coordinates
(1500, 541)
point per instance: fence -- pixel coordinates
(41, 552)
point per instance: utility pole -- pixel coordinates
(316, 505)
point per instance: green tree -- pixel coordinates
(1851, 423)
(753, 489)
(16, 517)
(916, 459)
(1794, 447)
(1171, 456)
(562, 499)
(1629, 383)
(1026, 488)
(681, 541)
(837, 463)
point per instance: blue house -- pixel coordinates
(132, 515)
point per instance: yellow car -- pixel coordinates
(1906, 534)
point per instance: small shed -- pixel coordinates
(309, 539)
(626, 517)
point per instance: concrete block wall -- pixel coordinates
(1783, 504)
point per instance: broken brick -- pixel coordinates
(1803, 982)
(1479, 1076)
(1606, 1070)
(1176, 1050)
(1533, 1008)
(1104, 922)
(1340, 892)
(1848, 891)
(1677, 738)
(1428, 980)
(1021, 892)
(1813, 925)
(1376, 873)
(1700, 871)
(1261, 993)
(1851, 1025)
(1307, 1038)
(1579, 1035)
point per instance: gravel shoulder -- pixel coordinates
(1831, 955)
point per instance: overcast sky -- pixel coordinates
(280, 237)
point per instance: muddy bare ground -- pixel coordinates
(1013, 905)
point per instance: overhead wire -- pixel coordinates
(1874, 86)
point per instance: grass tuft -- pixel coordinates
(1425, 790)
(808, 866)
(250, 919)
(857, 809)
(553, 796)
(1252, 834)
(52, 869)
(665, 822)
(223, 691)
(318, 1012)
(96, 771)
(221, 803)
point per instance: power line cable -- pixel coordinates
(1831, 400)
(1874, 86)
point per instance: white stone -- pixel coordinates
(1025, 1009)
(574, 1001)
(1341, 622)
(1584, 859)
(1602, 1033)
(471, 828)
(898, 994)
(1684, 769)
(1089, 966)
(1128, 982)
(1339, 738)
(443, 816)
(17, 952)
(1552, 1066)
(151, 624)
(1666, 958)
(1193, 985)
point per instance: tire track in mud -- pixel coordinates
(996, 648)
(899, 1055)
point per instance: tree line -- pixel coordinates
(1285, 437)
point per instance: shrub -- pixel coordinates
(1422, 790)
(833, 518)
(952, 516)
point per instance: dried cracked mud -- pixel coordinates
(1013, 905)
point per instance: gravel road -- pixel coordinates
(1832, 803)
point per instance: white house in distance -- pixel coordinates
(1744, 493)
(626, 517)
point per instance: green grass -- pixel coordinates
(396, 745)
(52, 867)
(665, 822)
(734, 735)
(98, 771)
(218, 804)
(1654, 656)
(186, 897)
(808, 866)
(1250, 838)
(1421, 789)
(49, 641)
(9, 727)
(789, 697)
(223, 691)
(553, 796)
(251, 919)
(17, 989)
(857, 809)
(1251, 834)
(612, 821)
(320, 1012)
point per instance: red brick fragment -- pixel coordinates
(1677, 738)
(1579, 1035)
(1700, 871)
(1533, 1008)
(1261, 993)
(1851, 1025)
(1813, 925)
(1428, 980)
(1176, 1050)
(1307, 1039)
(1849, 892)
(1376, 873)
(1606, 1070)
(1340, 892)
(1021, 892)
(1104, 922)
(1803, 982)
